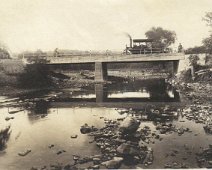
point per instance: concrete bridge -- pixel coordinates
(101, 60)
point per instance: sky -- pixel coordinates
(97, 24)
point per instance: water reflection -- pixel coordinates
(140, 91)
(155, 90)
(38, 110)
(133, 94)
(41, 107)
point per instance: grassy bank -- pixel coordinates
(9, 71)
(16, 78)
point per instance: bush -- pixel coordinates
(185, 76)
(193, 59)
(35, 76)
(4, 54)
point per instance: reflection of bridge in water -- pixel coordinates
(130, 94)
(103, 96)
(150, 94)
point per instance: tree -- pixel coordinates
(193, 59)
(36, 75)
(162, 38)
(207, 42)
(196, 50)
(208, 18)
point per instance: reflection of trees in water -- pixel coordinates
(160, 90)
(41, 107)
(4, 137)
(38, 110)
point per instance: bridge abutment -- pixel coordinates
(175, 67)
(100, 71)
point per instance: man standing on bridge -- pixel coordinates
(180, 48)
(56, 53)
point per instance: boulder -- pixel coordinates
(74, 136)
(24, 153)
(114, 163)
(8, 118)
(128, 150)
(129, 125)
(87, 129)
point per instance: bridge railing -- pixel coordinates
(95, 57)
(130, 50)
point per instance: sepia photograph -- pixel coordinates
(105, 84)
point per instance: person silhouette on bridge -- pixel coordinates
(56, 53)
(180, 48)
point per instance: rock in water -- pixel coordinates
(127, 150)
(129, 125)
(74, 136)
(24, 153)
(114, 163)
(87, 129)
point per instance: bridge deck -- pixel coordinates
(116, 58)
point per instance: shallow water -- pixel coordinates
(44, 124)
(36, 132)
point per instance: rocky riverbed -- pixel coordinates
(151, 136)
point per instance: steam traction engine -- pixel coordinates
(143, 46)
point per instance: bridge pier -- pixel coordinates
(100, 71)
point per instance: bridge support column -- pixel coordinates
(100, 71)
(175, 66)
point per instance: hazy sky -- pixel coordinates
(97, 24)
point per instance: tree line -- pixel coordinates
(206, 46)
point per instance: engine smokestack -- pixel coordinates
(128, 35)
(130, 42)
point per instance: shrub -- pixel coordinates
(36, 75)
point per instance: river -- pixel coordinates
(45, 123)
